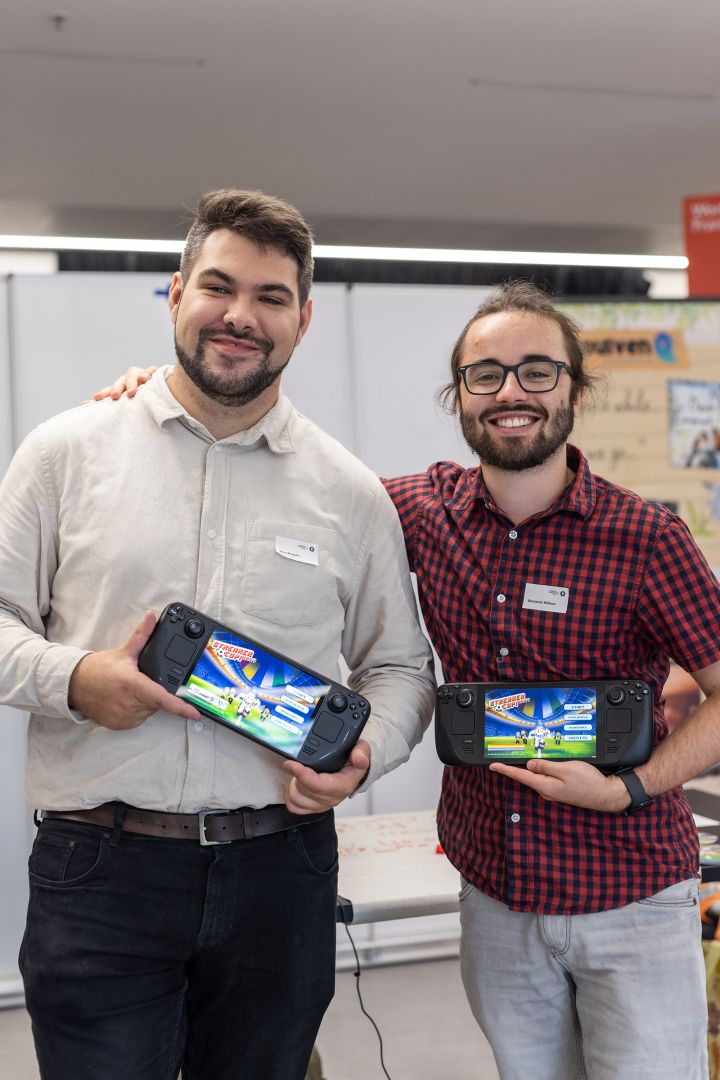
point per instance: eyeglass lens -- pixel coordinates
(533, 375)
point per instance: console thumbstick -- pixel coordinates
(337, 702)
(194, 628)
(616, 695)
(465, 699)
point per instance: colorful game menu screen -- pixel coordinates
(541, 722)
(255, 692)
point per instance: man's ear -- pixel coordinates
(578, 402)
(305, 316)
(174, 294)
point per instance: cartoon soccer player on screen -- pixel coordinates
(539, 734)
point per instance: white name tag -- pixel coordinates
(298, 550)
(546, 597)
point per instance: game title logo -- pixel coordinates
(227, 651)
(511, 701)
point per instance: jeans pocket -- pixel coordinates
(62, 859)
(683, 894)
(317, 845)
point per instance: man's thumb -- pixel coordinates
(139, 637)
(540, 765)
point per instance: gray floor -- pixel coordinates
(428, 1031)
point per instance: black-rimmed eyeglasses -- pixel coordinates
(534, 376)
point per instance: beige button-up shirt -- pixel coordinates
(113, 509)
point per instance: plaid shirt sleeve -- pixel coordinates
(679, 599)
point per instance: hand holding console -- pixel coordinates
(605, 722)
(108, 689)
(254, 691)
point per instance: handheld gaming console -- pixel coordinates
(252, 690)
(605, 722)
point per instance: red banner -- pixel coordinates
(702, 244)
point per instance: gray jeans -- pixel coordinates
(616, 995)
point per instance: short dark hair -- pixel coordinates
(269, 222)
(523, 297)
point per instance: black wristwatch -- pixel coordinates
(639, 798)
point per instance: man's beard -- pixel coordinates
(516, 454)
(234, 386)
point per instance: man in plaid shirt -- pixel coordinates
(580, 951)
(580, 945)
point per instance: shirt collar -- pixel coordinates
(274, 428)
(579, 496)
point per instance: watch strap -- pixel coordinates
(639, 798)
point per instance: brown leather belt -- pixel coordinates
(207, 826)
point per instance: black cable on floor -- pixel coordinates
(357, 973)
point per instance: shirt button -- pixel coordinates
(513, 534)
(211, 533)
(515, 818)
(219, 449)
(501, 598)
(199, 726)
(504, 652)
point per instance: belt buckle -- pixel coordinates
(204, 841)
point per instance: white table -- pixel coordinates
(391, 868)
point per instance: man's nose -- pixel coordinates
(511, 389)
(240, 314)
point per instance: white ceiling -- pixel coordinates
(565, 123)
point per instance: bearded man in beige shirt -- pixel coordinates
(148, 948)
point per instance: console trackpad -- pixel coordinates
(463, 722)
(180, 650)
(619, 721)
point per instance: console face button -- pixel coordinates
(337, 702)
(327, 727)
(619, 721)
(194, 628)
(180, 650)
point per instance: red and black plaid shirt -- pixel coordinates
(639, 592)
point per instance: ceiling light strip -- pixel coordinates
(392, 254)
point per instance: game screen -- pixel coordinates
(541, 722)
(255, 692)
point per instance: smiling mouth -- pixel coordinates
(236, 344)
(513, 421)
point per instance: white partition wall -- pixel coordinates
(402, 339)
(74, 333)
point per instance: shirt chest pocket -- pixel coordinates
(290, 591)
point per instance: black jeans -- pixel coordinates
(142, 954)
